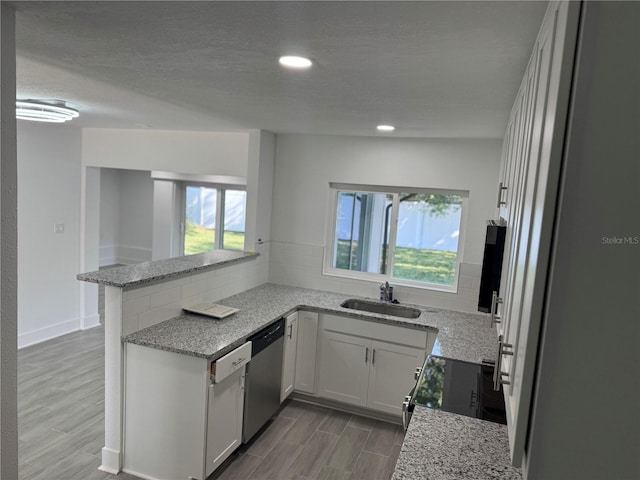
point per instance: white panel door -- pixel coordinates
(224, 419)
(391, 375)
(289, 355)
(344, 368)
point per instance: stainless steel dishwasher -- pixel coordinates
(263, 378)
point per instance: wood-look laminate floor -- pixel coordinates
(309, 442)
(61, 409)
(61, 426)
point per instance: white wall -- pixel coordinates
(48, 193)
(199, 153)
(109, 215)
(306, 164)
(173, 151)
(586, 420)
(136, 216)
(126, 216)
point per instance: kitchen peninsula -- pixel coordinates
(481, 447)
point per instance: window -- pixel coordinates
(214, 217)
(410, 236)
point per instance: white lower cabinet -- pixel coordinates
(391, 375)
(289, 355)
(306, 352)
(224, 419)
(368, 372)
(177, 424)
(344, 368)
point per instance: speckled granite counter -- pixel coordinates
(445, 446)
(460, 335)
(160, 270)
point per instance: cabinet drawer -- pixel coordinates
(378, 331)
(232, 361)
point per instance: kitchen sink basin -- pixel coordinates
(381, 308)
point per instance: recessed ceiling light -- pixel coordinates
(39, 111)
(292, 61)
(386, 128)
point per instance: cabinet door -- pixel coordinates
(289, 355)
(305, 371)
(165, 411)
(224, 419)
(344, 368)
(391, 375)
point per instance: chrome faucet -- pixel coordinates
(386, 292)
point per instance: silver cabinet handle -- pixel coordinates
(405, 412)
(501, 189)
(239, 361)
(373, 357)
(498, 366)
(291, 330)
(495, 301)
(503, 349)
(366, 355)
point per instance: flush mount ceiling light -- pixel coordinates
(386, 128)
(292, 61)
(39, 111)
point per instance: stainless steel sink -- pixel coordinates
(381, 308)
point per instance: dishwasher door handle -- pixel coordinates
(271, 333)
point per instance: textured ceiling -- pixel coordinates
(433, 69)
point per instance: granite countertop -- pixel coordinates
(160, 270)
(445, 446)
(464, 336)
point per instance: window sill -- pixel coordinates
(396, 282)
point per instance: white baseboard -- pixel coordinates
(90, 322)
(48, 332)
(110, 461)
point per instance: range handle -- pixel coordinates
(503, 349)
(405, 412)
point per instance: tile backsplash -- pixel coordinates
(148, 305)
(285, 264)
(301, 266)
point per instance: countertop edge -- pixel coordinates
(378, 318)
(100, 277)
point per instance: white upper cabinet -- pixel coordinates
(532, 155)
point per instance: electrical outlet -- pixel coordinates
(58, 228)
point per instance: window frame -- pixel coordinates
(331, 224)
(221, 189)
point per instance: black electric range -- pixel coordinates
(456, 386)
